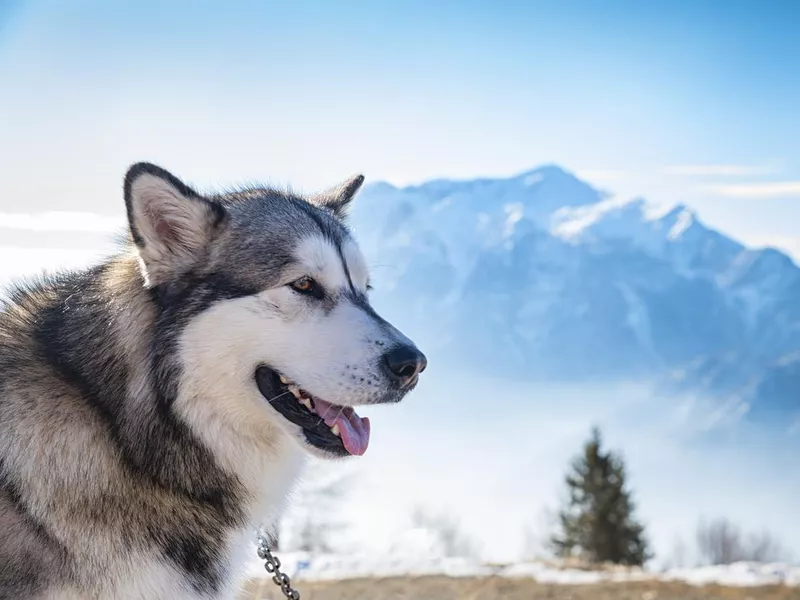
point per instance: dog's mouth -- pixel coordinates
(329, 427)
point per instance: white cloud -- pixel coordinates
(788, 244)
(61, 221)
(603, 175)
(718, 170)
(17, 261)
(772, 189)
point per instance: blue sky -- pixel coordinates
(681, 102)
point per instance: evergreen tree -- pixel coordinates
(597, 523)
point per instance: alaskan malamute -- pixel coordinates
(155, 409)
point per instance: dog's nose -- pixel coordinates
(404, 363)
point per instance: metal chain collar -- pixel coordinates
(273, 566)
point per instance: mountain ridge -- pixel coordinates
(545, 277)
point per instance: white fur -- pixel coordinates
(146, 578)
(359, 273)
(320, 260)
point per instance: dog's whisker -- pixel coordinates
(281, 395)
(322, 420)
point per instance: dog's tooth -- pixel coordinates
(307, 403)
(335, 429)
(285, 380)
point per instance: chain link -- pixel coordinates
(273, 567)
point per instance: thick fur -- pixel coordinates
(137, 455)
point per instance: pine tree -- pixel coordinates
(597, 523)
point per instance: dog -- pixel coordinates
(155, 409)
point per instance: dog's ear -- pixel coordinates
(170, 223)
(337, 199)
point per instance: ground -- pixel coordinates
(500, 588)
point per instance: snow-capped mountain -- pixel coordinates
(541, 276)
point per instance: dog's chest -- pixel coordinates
(195, 564)
(150, 577)
(190, 573)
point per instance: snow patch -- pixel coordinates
(514, 213)
(532, 179)
(638, 318)
(301, 566)
(682, 223)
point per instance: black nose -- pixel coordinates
(404, 363)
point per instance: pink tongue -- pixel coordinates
(353, 429)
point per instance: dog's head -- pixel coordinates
(265, 297)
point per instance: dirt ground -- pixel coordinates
(496, 588)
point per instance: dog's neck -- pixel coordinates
(244, 445)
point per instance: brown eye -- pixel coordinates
(304, 284)
(307, 286)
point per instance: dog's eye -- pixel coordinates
(307, 286)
